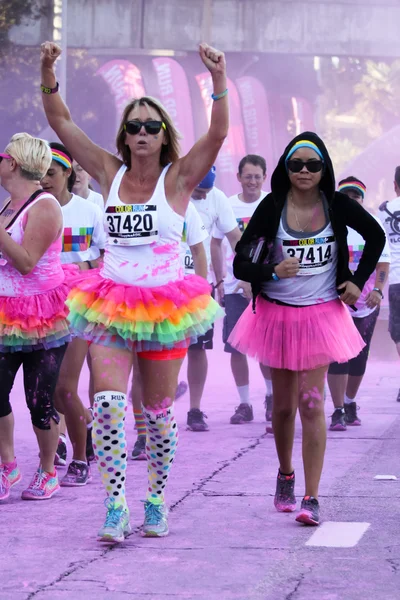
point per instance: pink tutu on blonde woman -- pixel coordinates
(297, 339)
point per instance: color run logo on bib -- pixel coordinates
(132, 224)
(315, 254)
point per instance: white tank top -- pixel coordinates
(46, 275)
(143, 244)
(316, 281)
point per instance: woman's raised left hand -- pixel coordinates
(213, 59)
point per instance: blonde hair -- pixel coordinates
(32, 155)
(169, 152)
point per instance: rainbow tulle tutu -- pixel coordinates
(34, 322)
(127, 316)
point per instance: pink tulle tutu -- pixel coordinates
(297, 338)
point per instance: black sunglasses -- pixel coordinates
(151, 127)
(312, 166)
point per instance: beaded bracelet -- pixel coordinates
(219, 96)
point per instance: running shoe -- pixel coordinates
(42, 487)
(181, 389)
(139, 449)
(61, 454)
(309, 512)
(285, 500)
(351, 415)
(9, 476)
(195, 420)
(155, 520)
(78, 474)
(116, 526)
(243, 414)
(338, 422)
(268, 407)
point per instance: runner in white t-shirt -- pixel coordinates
(84, 238)
(83, 244)
(344, 379)
(214, 210)
(83, 189)
(389, 214)
(236, 295)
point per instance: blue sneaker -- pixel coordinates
(155, 520)
(116, 526)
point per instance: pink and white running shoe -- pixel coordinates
(42, 487)
(9, 476)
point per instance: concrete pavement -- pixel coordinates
(226, 541)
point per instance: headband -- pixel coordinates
(62, 158)
(353, 185)
(304, 144)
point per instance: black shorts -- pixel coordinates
(394, 312)
(204, 342)
(235, 305)
(356, 366)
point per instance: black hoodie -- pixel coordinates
(343, 212)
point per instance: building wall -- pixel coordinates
(345, 27)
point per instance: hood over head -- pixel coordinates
(280, 182)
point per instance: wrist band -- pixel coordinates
(379, 292)
(89, 263)
(47, 90)
(216, 285)
(219, 96)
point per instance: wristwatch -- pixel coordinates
(379, 292)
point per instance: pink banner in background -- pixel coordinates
(234, 147)
(125, 81)
(256, 118)
(175, 95)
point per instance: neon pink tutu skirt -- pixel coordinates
(297, 338)
(141, 318)
(34, 322)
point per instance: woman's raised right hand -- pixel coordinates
(49, 52)
(287, 268)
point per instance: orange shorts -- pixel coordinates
(172, 354)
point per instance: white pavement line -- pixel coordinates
(333, 534)
(385, 477)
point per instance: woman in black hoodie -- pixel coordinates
(294, 253)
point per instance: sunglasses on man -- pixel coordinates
(151, 127)
(2, 155)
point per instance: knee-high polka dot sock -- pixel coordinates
(109, 442)
(162, 440)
